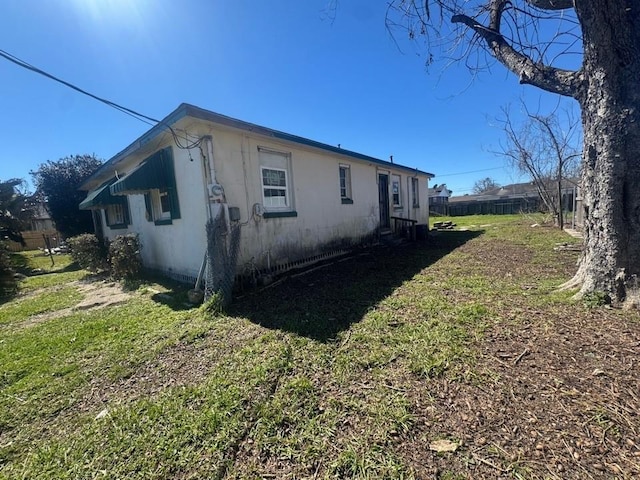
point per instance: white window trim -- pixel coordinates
(347, 180)
(399, 204)
(156, 205)
(415, 192)
(286, 188)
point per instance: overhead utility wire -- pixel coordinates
(132, 113)
(471, 171)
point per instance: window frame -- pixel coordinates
(270, 159)
(396, 180)
(347, 196)
(415, 191)
(155, 207)
(116, 216)
(285, 189)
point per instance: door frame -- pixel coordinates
(383, 200)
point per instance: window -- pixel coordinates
(276, 183)
(159, 206)
(117, 216)
(162, 204)
(274, 188)
(155, 178)
(415, 192)
(395, 191)
(345, 184)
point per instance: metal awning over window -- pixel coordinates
(101, 198)
(156, 172)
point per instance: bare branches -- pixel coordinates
(538, 40)
(544, 147)
(551, 4)
(555, 80)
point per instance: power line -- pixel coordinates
(132, 113)
(471, 171)
(23, 64)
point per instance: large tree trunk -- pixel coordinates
(610, 105)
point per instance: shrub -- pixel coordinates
(124, 256)
(8, 282)
(89, 252)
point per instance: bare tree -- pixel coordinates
(588, 50)
(484, 185)
(544, 149)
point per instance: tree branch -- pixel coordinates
(551, 79)
(551, 4)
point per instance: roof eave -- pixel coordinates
(187, 110)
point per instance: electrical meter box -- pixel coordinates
(234, 214)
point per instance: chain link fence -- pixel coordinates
(223, 245)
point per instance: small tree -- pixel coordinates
(58, 183)
(14, 210)
(546, 150)
(484, 185)
(14, 213)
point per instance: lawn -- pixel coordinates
(366, 368)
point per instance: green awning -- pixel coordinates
(155, 172)
(101, 197)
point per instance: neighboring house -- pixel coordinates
(439, 199)
(514, 198)
(41, 230)
(276, 200)
(41, 220)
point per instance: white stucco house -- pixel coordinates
(291, 200)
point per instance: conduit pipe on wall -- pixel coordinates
(211, 165)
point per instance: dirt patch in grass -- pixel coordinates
(554, 391)
(95, 294)
(101, 294)
(553, 400)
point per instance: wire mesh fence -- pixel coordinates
(223, 245)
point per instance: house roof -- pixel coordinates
(436, 190)
(187, 110)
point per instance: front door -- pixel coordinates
(383, 196)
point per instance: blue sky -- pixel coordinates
(285, 64)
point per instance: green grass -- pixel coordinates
(35, 259)
(44, 301)
(478, 222)
(314, 377)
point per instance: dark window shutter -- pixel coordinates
(166, 161)
(147, 207)
(125, 208)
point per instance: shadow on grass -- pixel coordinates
(20, 264)
(324, 302)
(174, 294)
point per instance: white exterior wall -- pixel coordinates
(176, 249)
(322, 223)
